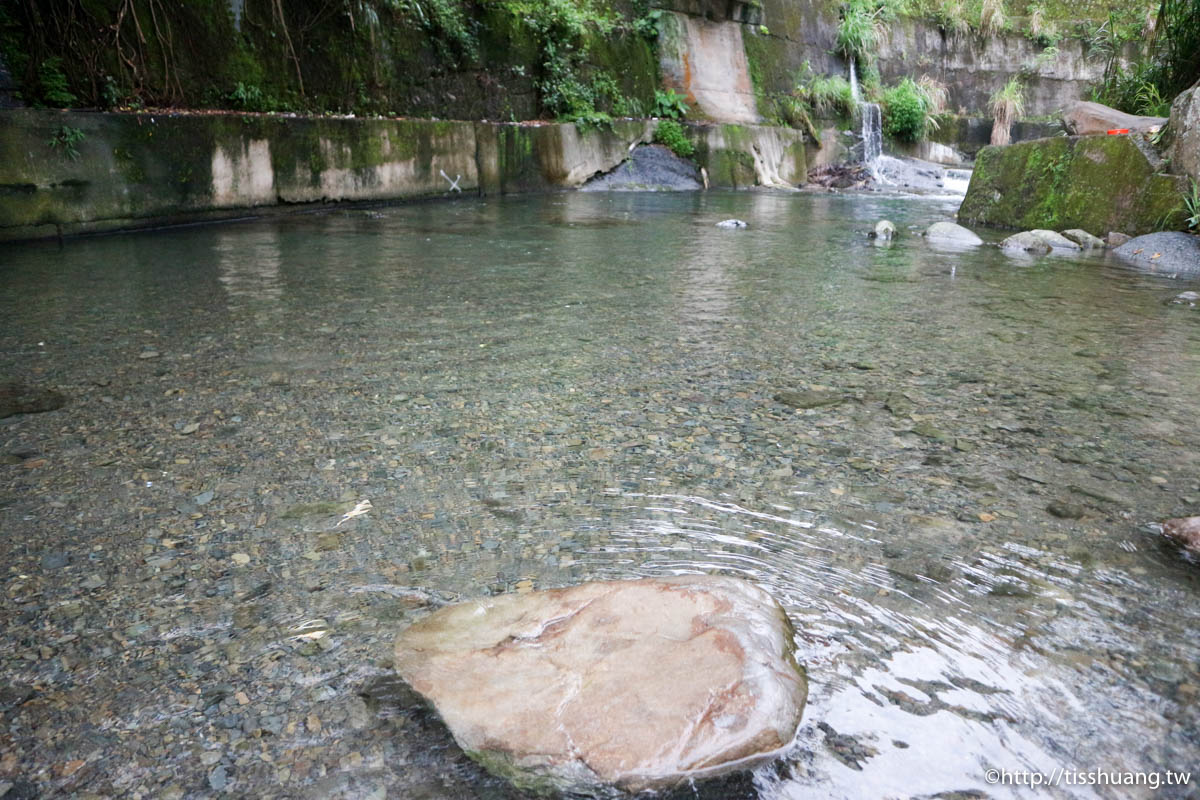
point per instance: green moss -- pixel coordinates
(501, 765)
(1097, 183)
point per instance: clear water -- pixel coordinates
(540, 391)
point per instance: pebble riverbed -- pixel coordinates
(946, 464)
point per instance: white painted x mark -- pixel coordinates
(453, 183)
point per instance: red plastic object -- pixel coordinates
(1118, 131)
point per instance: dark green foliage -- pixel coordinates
(247, 98)
(904, 112)
(447, 25)
(55, 91)
(1178, 45)
(671, 133)
(472, 59)
(1172, 65)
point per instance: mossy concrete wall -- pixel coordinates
(1097, 183)
(72, 172)
(744, 156)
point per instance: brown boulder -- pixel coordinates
(1086, 118)
(638, 685)
(1184, 531)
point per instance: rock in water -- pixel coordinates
(17, 398)
(950, 232)
(732, 223)
(884, 229)
(1185, 531)
(1055, 240)
(642, 684)
(1165, 251)
(1026, 242)
(1084, 239)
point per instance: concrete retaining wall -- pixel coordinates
(65, 173)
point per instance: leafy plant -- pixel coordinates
(67, 138)
(111, 94)
(905, 110)
(55, 90)
(669, 105)
(1006, 105)
(1191, 206)
(1148, 100)
(671, 133)
(647, 26)
(248, 97)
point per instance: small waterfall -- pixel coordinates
(872, 127)
(872, 134)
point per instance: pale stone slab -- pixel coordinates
(636, 685)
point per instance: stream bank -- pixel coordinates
(65, 173)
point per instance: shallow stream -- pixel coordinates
(539, 391)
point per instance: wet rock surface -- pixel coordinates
(649, 168)
(1168, 251)
(1025, 242)
(1055, 240)
(839, 176)
(630, 684)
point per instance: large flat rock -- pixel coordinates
(636, 685)
(1085, 118)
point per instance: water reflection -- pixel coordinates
(248, 267)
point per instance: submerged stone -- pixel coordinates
(814, 398)
(632, 685)
(1184, 531)
(884, 229)
(16, 398)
